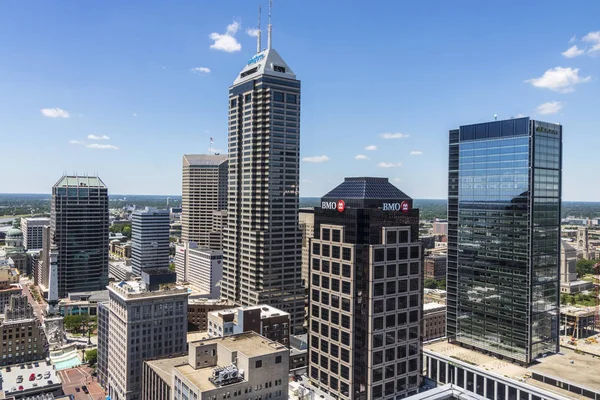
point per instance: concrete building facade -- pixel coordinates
(198, 310)
(435, 267)
(365, 300)
(79, 230)
(201, 267)
(306, 219)
(32, 232)
(149, 239)
(262, 241)
(204, 191)
(23, 339)
(434, 321)
(147, 319)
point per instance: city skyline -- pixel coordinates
(84, 81)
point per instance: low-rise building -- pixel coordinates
(9, 285)
(120, 250)
(198, 310)
(157, 377)
(263, 319)
(298, 353)
(120, 270)
(434, 321)
(435, 267)
(22, 333)
(434, 296)
(82, 303)
(16, 383)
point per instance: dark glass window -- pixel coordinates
(233, 103)
(378, 289)
(324, 300)
(390, 321)
(325, 250)
(335, 285)
(390, 304)
(326, 234)
(345, 287)
(414, 252)
(324, 332)
(378, 323)
(377, 357)
(377, 340)
(316, 264)
(390, 287)
(316, 248)
(335, 317)
(377, 375)
(402, 253)
(315, 280)
(335, 251)
(379, 255)
(346, 271)
(346, 254)
(335, 334)
(378, 306)
(403, 237)
(315, 295)
(324, 314)
(401, 351)
(325, 282)
(391, 254)
(315, 310)
(391, 237)
(345, 338)
(379, 271)
(334, 350)
(291, 98)
(345, 355)
(345, 322)
(335, 301)
(278, 96)
(335, 236)
(335, 268)
(325, 266)
(345, 304)
(391, 271)
(258, 364)
(248, 98)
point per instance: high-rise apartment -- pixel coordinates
(147, 318)
(504, 194)
(204, 191)
(262, 241)
(32, 232)
(365, 292)
(149, 239)
(79, 230)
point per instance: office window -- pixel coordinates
(258, 364)
(278, 360)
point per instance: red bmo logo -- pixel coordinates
(404, 206)
(341, 205)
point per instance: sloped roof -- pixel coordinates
(368, 189)
(264, 62)
(204, 159)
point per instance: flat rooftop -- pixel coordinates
(583, 371)
(163, 367)
(250, 344)
(266, 311)
(433, 307)
(577, 311)
(9, 379)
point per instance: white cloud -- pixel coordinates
(559, 79)
(55, 113)
(227, 41)
(252, 32)
(101, 146)
(75, 142)
(574, 38)
(371, 147)
(96, 137)
(594, 39)
(200, 70)
(551, 107)
(361, 157)
(316, 159)
(389, 165)
(394, 135)
(573, 52)
(416, 153)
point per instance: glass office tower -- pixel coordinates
(504, 193)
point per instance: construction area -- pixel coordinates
(577, 322)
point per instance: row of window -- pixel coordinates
(332, 251)
(396, 253)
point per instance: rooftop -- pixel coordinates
(204, 159)
(578, 369)
(9, 379)
(267, 62)
(163, 366)
(367, 188)
(433, 306)
(137, 289)
(266, 311)
(80, 181)
(575, 311)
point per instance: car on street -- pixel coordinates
(38, 377)
(19, 378)
(32, 377)
(85, 389)
(47, 375)
(21, 387)
(7, 369)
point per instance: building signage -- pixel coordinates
(332, 205)
(396, 206)
(543, 129)
(256, 59)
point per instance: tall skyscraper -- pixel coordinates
(262, 241)
(204, 191)
(79, 230)
(147, 318)
(365, 301)
(504, 195)
(32, 232)
(149, 239)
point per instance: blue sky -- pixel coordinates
(73, 73)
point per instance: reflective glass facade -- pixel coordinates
(504, 237)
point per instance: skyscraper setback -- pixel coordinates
(79, 231)
(262, 241)
(504, 194)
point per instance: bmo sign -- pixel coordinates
(395, 206)
(332, 205)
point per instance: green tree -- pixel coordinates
(172, 267)
(584, 267)
(127, 231)
(430, 283)
(91, 356)
(73, 323)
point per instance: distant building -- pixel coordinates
(434, 321)
(245, 366)
(219, 223)
(83, 303)
(204, 190)
(149, 239)
(120, 250)
(79, 230)
(434, 296)
(263, 319)
(435, 267)
(103, 340)
(32, 232)
(299, 354)
(120, 270)
(198, 310)
(440, 227)
(9, 286)
(147, 318)
(26, 339)
(306, 220)
(202, 268)
(14, 248)
(569, 282)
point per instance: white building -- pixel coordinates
(149, 239)
(147, 318)
(32, 232)
(201, 267)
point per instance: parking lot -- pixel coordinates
(75, 378)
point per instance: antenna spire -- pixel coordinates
(270, 26)
(258, 38)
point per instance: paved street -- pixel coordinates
(77, 377)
